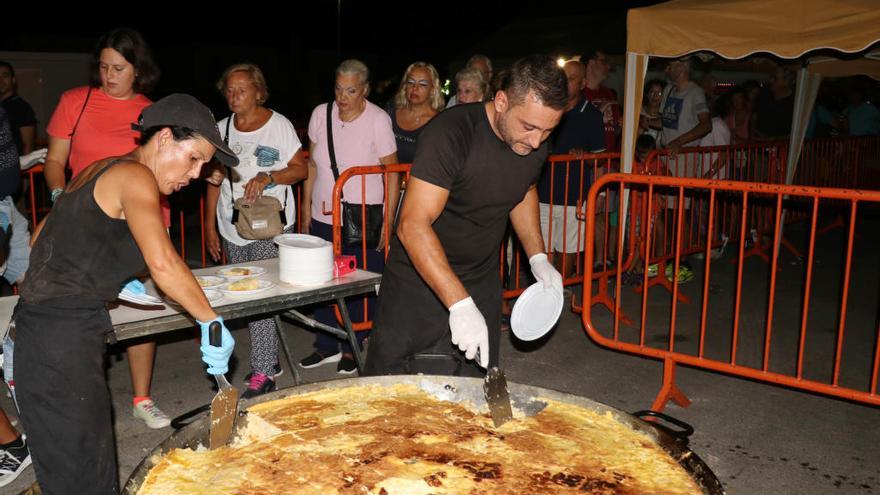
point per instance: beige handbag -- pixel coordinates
(262, 219)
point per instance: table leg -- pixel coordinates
(352, 338)
(283, 339)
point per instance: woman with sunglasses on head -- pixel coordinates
(417, 102)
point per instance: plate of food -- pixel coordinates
(240, 272)
(209, 281)
(246, 287)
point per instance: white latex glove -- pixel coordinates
(33, 158)
(544, 272)
(469, 331)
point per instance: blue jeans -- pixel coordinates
(8, 347)
(19, 245)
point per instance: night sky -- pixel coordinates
(298, 52)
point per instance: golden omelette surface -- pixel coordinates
(401, 440)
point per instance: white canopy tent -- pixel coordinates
(739, 28)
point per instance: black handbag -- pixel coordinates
(356, 222)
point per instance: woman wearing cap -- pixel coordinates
(271, 158)
(93, 122)
(105, 228)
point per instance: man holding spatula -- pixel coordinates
(475, 166)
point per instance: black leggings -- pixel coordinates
(64, 400)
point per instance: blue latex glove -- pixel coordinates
(134, 286)
(217, 358)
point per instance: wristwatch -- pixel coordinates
(271, 179)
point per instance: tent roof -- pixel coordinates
(738, 28)
(869, 65)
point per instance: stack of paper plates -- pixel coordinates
(304, 259)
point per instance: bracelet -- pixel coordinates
(271, 183)
(55, 193)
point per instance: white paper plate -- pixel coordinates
(264, 285)
(535, 312)
(255, 271)
(209, 281)
(141, 299)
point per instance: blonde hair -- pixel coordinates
(256, 76)
(436, 97)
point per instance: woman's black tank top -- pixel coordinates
(81, 252)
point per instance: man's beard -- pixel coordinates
(504, 130)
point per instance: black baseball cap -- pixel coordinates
(182, 110)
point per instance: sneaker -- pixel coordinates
(276, 372)
(685, 274)
(152, 415)
(13, 462)
(631, 279)
(259, 384)
(316, 359)
(347, 365)
(653, 270)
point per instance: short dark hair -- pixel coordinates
(540, 74)
(9, 66)
(179, 133)
(132, 46)
(655, 82)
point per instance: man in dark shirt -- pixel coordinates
(475, 167)
(21, 116)
(581, 130)
(775, 106)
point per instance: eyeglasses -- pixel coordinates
(421, 82)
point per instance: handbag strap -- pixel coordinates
(229, 169)
(330, 147)
(78, 118)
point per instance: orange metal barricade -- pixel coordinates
(575, 174)
(772, 325)
(389, 173)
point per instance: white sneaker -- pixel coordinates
(12, 465)
(152, 415)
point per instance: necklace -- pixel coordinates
(417, 118)
(349, 120)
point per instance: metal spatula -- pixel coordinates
(225, 404)
(497, 397)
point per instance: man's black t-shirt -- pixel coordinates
(458, 151)
(20, 115)
(774, 116)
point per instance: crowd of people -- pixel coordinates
(478, 169)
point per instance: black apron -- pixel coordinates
(411, 327)
(78, 263)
